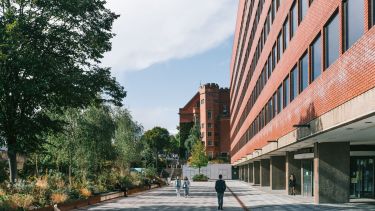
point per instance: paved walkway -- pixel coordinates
(257, 198)
(203, 197)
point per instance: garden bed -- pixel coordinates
(95, 199)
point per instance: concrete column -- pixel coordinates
(256, 170)
(332, 172)
(265, 172)
(251, 173)
(240, 172)
(278, 173)
(293, 166)
(245, 172)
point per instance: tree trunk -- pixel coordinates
(12, 158)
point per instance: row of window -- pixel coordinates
(270, 18)
(281, 43)
(209, 125)
(305, 72)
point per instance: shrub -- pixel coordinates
(42, 183)
(85, 193)
(200, 177)
(21, 200)
(58, 198)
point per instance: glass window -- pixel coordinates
(269, 22)
(209, 134)
(269, 65)
(274, 57)
(202, 101)
(286, 92)
(202, 125)
(280, 46)
(316, 56)
(332, 37)
(279, 98)
(293, 20)
(274, 99)
(294, 83)
(286, 33)
(270, 106)
(354, 21)
(209, 114)
(273, 9)
(266, 69)
(304, 5)
(303, 73)
(209, 125)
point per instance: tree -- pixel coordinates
(50, 53)
(127, 139)
(157, 139)
(198, 157)
(193, 138)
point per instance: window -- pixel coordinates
(372, 12)
(279, 98)
(293, 20)
(273, 9)
(209, 134)
(331, 33)
(294, 83)
(316, 57)
(354, 21)
(286, 33)
(304, 5)
(280, 46)
(202, 125)
(286, 91)
(210, 155)
(210, 143)
(274, 57)
(274, 102)
(202, 101)
(209, 125)
(303, 73)
(209, 114)
(269, 65)
(268, 22)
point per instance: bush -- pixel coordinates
(200, 178)
(58, 198)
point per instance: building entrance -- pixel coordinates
(362, 177)
(307, 177)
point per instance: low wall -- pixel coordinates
(212, 171)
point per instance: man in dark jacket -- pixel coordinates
(220, 188)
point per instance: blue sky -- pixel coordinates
(164, 49)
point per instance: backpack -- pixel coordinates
(178, 183)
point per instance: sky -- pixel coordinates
(163, 51)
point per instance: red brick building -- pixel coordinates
(303, 96)
(209, 108)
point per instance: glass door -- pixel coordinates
(362, 177)
(307, 177)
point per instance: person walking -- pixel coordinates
(220, 188)
(186, 186)
(177, 185)
(292, 184)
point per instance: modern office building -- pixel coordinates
(303, 96)
(209, 108)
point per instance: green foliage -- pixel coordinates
(50, 53)
(150, 172)
(194, 137)
(198, 157)
(3, 173)
(156, 140)
(200, 178)
(184, 131)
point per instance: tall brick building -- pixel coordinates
(303, 96)
(209, 108)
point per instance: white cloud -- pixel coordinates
(154, 31)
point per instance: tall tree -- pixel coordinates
(158, 140)
(50, 52)
(198, 157)
(127, 139)
(193, 138)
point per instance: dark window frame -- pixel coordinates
(300, 72)
(345, 24)
(325, 40)
(312, 61)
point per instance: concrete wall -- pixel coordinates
(278, 173)
(293, 167)
(265, 172)
(331, 170)
(256, 170)
(212, 171)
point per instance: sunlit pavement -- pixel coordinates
(257, 198)
(203, 197)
